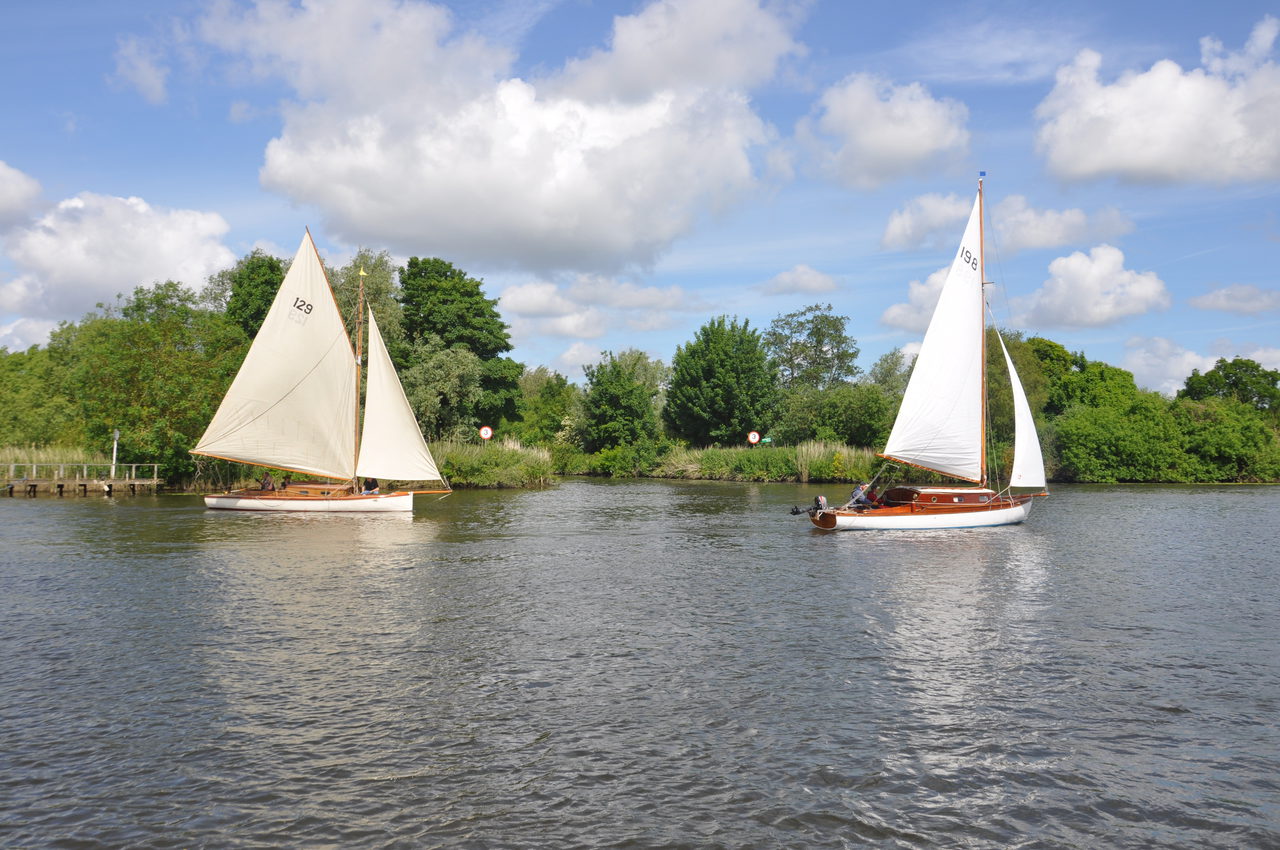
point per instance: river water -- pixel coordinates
(640, 665)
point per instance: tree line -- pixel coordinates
(156, 363)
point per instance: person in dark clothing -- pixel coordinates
(370, 487)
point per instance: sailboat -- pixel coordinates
(294, 406)
(941, 423)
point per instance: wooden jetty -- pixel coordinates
(80, 479)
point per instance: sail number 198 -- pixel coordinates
(970, 259)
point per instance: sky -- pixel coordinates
(620, 173)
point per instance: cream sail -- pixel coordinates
(941, 424)
(293, 406)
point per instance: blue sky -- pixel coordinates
(618, 173)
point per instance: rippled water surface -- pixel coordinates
(636, 665)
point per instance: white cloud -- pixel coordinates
(430, 139)
(1239, 298)
(92, 247)
(1022, 228)
(1217, 123)
(535, 300)
(674, 45)
(1162, 365)
(1093, 290)
(1266, 356)
(576, 356)
(929, 220)
(992, 50)
(138, 65)
(801, 279)
(19, 193)
(588, 306)
(921, 299)
(868, 131)
(21, 334)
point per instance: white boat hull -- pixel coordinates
(885, 521)
(329, 504)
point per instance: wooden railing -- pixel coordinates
(109, 478)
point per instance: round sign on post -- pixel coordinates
(486, 432)
(753, 437)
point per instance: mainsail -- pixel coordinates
(940, 422)
(391, 444)
(292, 405)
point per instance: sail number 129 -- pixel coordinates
(299, 304)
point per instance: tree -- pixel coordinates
(811, 348)
(443, 386)
(379, 295)
(723, 385)
(546, 404)
(250, 287)
(1242, 379)
(891, 372)
(443, 301)
(36, 410)
(156, 366)
(618, 405)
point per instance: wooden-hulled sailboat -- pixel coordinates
(294, 406)
(941, 424)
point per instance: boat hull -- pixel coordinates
(300, 502)
(916, 517)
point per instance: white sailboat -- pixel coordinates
(941, 424)
(294, 406)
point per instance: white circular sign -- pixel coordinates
(753, 437)
(486, 432)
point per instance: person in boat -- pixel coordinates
(267, 483)
(862, 495)
(284, 482)
(370, 487)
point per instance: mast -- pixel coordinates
(359, 344)
(982, 326)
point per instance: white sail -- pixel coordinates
(292, 405)
(939, 424)
(391, 444)
(1028, 463)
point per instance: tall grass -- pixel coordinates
(505, 464)
(806, 462)
(50, 454)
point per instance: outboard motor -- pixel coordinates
(819, 505)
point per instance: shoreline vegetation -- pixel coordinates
(152, 369)
(507, 464)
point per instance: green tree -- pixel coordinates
(250, 286)
(1228, 439)
(810, 348)
(617, 405)
(891, 372)
(1242, 379)
(1134, 441)
(546, 404)
(379, 295)
(37, 411)
(155, 365)
(444, 388)
(723, 385)
(443, 301)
